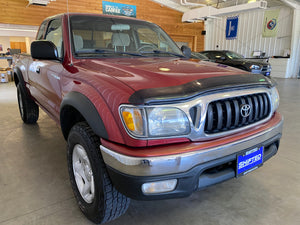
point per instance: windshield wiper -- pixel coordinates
(129, 53)
(163, 52)
(93, 51)
(106, 51)
(90, 52)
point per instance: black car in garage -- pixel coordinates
(234, 59)
(197, 55)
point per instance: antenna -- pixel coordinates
(69, 29)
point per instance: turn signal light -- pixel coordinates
(133, 120)
(128, 119)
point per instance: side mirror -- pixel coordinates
(187, 52)
(43, 50)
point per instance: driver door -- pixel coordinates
(46, 74)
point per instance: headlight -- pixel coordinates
(274, 99)
(167, 122)
(254, 67)
(154, 121)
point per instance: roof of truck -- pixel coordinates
(93, 14)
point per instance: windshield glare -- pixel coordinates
(94, 36)
(234, 55)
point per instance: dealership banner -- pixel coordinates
(270, 23)
(232, 27)
(118, 9)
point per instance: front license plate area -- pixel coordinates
(249, 161)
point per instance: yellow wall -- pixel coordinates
(16, 12)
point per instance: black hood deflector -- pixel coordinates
(198, 87)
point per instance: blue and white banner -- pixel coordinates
(118, 9)
(232, 27)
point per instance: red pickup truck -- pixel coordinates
(141, 119)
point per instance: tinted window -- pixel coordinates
(54, 34)
(216, 55)
(234, 55)
(42, 29)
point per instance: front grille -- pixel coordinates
(224, 115)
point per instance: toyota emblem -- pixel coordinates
(245, 110)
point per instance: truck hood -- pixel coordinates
(151, 78)
(142, 73)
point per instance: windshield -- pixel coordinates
(95, 36)
(234, 55)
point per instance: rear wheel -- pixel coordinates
(29, 110)
(92, 187)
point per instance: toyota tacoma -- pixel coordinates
(141, 119)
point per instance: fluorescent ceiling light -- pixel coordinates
(12, 29)
(210, 12)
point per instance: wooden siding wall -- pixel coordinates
(16, 12)
(18, 45)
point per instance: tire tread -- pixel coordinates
(115, 203)
(30, 108)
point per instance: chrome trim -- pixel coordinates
(245, 110)
(163, 165)
(197, 132)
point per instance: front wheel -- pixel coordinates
(92, 187)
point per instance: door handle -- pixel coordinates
(38, 70)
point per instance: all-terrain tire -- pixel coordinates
(99, 201)
(29, 110)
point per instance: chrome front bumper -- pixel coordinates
(173, 164)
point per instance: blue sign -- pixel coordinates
(250, 161)
(118, 9)
(232, 27)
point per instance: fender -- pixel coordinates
(87, 109)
